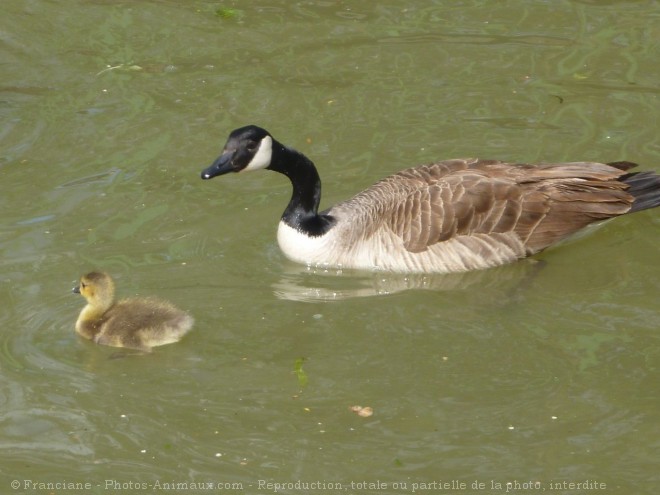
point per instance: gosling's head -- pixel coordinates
(97, 287)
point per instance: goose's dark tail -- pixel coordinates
(644, 186)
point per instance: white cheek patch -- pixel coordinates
(263, 155)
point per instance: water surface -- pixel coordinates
(526, 373)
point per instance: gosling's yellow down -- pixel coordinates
(135, 323)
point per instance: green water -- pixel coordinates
(540, 377)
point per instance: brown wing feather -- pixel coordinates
(540, 204)
(571, 206)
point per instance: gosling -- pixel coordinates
(136, 323)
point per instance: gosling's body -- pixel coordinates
(450, 216)
(135, 323)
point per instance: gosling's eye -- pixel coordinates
(83, 285)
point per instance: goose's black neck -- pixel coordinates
(302, 211)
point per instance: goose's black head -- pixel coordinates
(247, 148)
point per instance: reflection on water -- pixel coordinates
(42, 431)
(309, 284)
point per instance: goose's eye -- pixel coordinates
(251, 146)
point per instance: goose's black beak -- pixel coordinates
(222, 165)
(76, 289)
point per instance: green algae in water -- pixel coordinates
(300, 373)
(227, 13)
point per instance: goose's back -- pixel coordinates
(466, 214)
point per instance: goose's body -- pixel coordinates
(450, 216)
(136, 323)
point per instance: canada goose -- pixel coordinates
(450, 216)
(137, 323)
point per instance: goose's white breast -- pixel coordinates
(385, 251)
(325, 250)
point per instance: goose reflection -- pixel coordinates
(313, 284)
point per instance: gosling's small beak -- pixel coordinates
(222, 165)
(76, 289)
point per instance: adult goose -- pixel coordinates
(449, 216)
